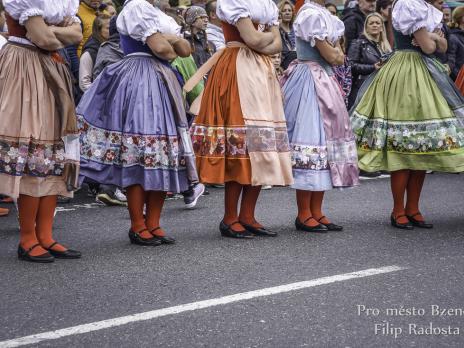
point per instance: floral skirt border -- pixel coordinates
(237, 142)
(412, 137)
(31, 157)
(125, 150)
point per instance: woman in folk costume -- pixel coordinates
(322, 142)
(240, 137)
(409, 117)
(37, 114)
(133, 120)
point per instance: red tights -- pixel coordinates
(137, 197)
(249, 195)
(36, 215)
(410, 182)
(310, 205)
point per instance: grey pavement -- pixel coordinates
(116, 279)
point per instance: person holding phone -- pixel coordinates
(368, 53)
(407, 115)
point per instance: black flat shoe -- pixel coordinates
(417, 223)
(24, 255)
(330, 226)
(261, 231)
(300, 226)
(136, 239)
(163, 239)
(227, 231)
(395, 223)
(68, 254)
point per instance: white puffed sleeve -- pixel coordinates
(168, 25)
(231, 11)
(139, 20)
(410, 16)
(71, 10)
(310, 25)
(21, 10)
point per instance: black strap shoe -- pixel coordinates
(395, 223)
(330, 226)
(24, 255)
(136, 239)
(227, 231)
(417, 223)
(67, 254)
(259, 231)
(301, 226)
(162, 239)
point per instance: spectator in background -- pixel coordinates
(87, 13)
(354, 20)
(214, 28)
(384, 7)
(110, 51)
(197, 20)
(456, 49)
(109, 8)
(100, 33)
(446, 13)
(332, 8)
(287, 35)
(366, 53)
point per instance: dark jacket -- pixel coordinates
(202, 49)
(456, 52)
(92, 46)
(363, 54)
(354, 25)
(288, 48)
(110, 52)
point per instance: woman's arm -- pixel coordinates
(253, 38)
(333, 55)
(161, 47)
(181, 46)
(429, 43)
(40, 34)
(276, 45)
(68, 35)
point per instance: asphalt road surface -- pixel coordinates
(369, 286)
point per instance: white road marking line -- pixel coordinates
(109, 323)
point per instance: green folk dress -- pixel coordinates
(409, 115)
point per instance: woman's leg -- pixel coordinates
(303, 201)
(135, 203)
(248, 205)
(414, 190)
(155, 202)
(399, 182)
(317, 199)
(28, 208)
(44, 225)
(231, 196)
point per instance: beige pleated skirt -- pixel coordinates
(32, 152)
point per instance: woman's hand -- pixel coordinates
(67, 22)
(378, 65)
